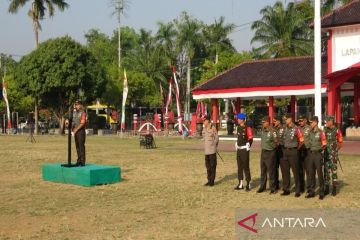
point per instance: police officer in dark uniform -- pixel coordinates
(314, 160)
(243, 144)
(279, 128)
(293, 140)
(303, 152)
(78, 128)
(269, 141)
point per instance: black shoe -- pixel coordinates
(285, 193)
(326, 190)
(321, 196)
(247, 188)
(297, 194)
(206, 184)
(310, 195)
(333, 191)
(260, 190)
(272, 191)
(211, 184)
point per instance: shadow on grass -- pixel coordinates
(230, 177)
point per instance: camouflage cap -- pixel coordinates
(302, 117)
(288, 115)
(329, 118)
(314, 119)
(277, 118)
(207, 117)
(265, 119)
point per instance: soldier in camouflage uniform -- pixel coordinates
(78, 128)
(314, 161)
(303, 152)
(269, 141)
(293, 140)
(334, 143)
(279, 128)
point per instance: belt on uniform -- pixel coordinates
(315, 151)
(290, 148)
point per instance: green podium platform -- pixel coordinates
(89, 175)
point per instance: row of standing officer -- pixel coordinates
(302, 149)
(299, 149)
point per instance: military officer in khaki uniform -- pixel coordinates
(269, 141)
(303, 152)
(314, 160)
(211, 141)
(279, 128)
(293, 140)
(78, 128)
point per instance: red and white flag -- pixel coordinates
(168, 99)
(178, 101)
(125, 93)
(4, 93)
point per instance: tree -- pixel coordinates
(59, 71)
(217, 37)
(18, 99)
(227, 60)
(330, 5)
(37, 13)
(188, 39)
(166, 39)
(282, 32)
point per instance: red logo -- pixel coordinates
(242, 223)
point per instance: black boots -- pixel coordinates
(333, 191)
(247, 187)
(327, 190)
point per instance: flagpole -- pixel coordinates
(317, 60)
(125, 93)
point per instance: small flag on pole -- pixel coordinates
(4, 93)
(178, 101)
(125, 93)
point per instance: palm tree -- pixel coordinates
(37, 13)
(282, 32)
(330, 5)
(217, 37)
(166, 39)
(189, 37)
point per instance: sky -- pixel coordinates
(17, 38)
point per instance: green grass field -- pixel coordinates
(161, 196)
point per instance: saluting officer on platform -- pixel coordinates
(242, 146)
(293, 140)
(78, 128)
(279, 128)
(303, 152)
(269, 141)
(211, 141)
(314, 160)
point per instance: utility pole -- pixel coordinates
(317, 60)
(119, 9)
